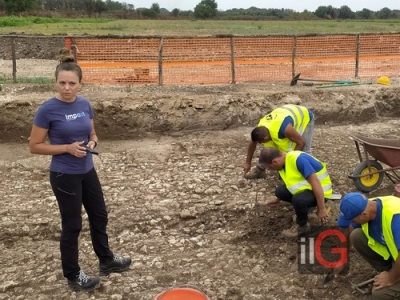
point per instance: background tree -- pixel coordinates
(100, 7)
(365, 14)
(346, 13)
(155, 7)
(327, 12)
(89, 7)
(277, 13)
(17, 6)
(114, 5)
(67, 6)
(384, 13)
(186, 13)
(148, 13)
(321, 11)
(51, 5)
(175, 12)
(206, 9)
(203, 10)
(395, 14)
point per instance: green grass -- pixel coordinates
(33, 80)
(27, 21)
(98, 26)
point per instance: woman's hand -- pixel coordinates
(92, 144)
(76, 149)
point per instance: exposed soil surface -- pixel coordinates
(171, 167)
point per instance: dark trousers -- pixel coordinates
(301, 202)
(71, 192)
(360, 243)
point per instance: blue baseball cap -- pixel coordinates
(351, 206)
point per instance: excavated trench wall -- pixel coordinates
(132, 114)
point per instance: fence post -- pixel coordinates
(233, 60)
(160, 62)
(74, 52)
(294, 55)
(68, 42)
(357, 56)
(14, 59)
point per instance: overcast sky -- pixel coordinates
(297, 5)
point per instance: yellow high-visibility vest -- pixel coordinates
(294, 180)
(390, 207)
(273, 122)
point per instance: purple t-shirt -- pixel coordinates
(67, 122)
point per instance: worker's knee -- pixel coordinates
(376, 294)
(386, 293)
(358, 239)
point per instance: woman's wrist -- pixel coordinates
(95, 143)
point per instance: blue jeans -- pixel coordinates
(308, 136)
(73, 191)
(301, 202)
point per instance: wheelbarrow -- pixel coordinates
(370, 172)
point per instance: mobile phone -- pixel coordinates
(90, 149)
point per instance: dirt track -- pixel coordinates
(171, 167)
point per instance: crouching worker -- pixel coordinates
(373, 228)
(286, 128)
(306, 184)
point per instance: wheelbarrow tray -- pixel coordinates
(370, 172)
(386, 151)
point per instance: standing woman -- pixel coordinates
(67, 121)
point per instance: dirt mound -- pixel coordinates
(131, 113)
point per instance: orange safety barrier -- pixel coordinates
(230, 59)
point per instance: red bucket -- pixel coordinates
(182, 293)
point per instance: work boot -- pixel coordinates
(311, 212)
(256, 173)
(84, 283)
(296, 231)
(272, 201)
(117, 265)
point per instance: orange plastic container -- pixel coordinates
(182, 293)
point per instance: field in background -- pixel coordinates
(201, 51)
(54, 26)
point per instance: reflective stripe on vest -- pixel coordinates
(297, 122)
(295, 181)
(273, 122)
(390, 207)
(304, 183)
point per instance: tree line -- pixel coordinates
(205, 9)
